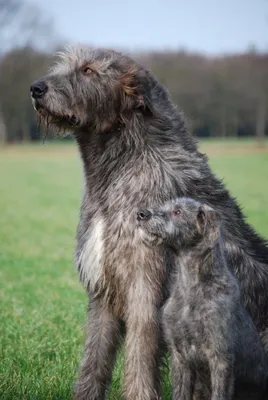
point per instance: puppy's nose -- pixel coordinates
(38, 89)
(144, 215)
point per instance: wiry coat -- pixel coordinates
(136, 151)
(214, 344)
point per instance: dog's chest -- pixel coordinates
(90, 258)
(113, 259)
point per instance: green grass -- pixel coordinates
(42, 305)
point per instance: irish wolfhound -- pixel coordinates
(206, 326)
(136, 151)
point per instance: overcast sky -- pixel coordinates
(210, 26)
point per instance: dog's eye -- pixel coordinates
(87, 70)
(177, 212)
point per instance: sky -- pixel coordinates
(209, 26)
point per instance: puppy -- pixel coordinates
(210, 335)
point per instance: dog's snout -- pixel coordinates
(144, 215)
(38, 89)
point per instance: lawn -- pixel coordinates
(42, 305)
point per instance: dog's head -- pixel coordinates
(94, 89)
(179, 223)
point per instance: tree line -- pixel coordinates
(221, 96)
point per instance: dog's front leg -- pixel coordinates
(103, 335)
(141, 378)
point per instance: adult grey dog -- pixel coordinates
(136, 151)
(210, 334)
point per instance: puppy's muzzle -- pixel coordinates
(144, 215)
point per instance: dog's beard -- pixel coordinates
(51, 124)
(149, 238)
(60, 124)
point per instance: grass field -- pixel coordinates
(42, 305)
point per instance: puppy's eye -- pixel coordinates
(177, 212)
(87, 70)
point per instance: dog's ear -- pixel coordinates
(207, 219)
(128, 80)
(133, 85)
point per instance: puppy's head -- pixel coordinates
(179, 223)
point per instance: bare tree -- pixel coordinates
(261, 98)
(23, 23)
(3, 133)
(25, 30)
(222, 96)
(18, 69)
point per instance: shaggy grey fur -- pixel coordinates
(136, 151)
(206, 326)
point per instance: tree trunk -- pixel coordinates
(234, 127)
(3, 131)
(26, 136)
(223, 124)
(260, 121)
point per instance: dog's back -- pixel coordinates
(251, 364)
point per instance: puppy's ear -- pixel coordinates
(201, 219)
(207, 219)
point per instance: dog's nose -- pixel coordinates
(144, 215)
(38, 89)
